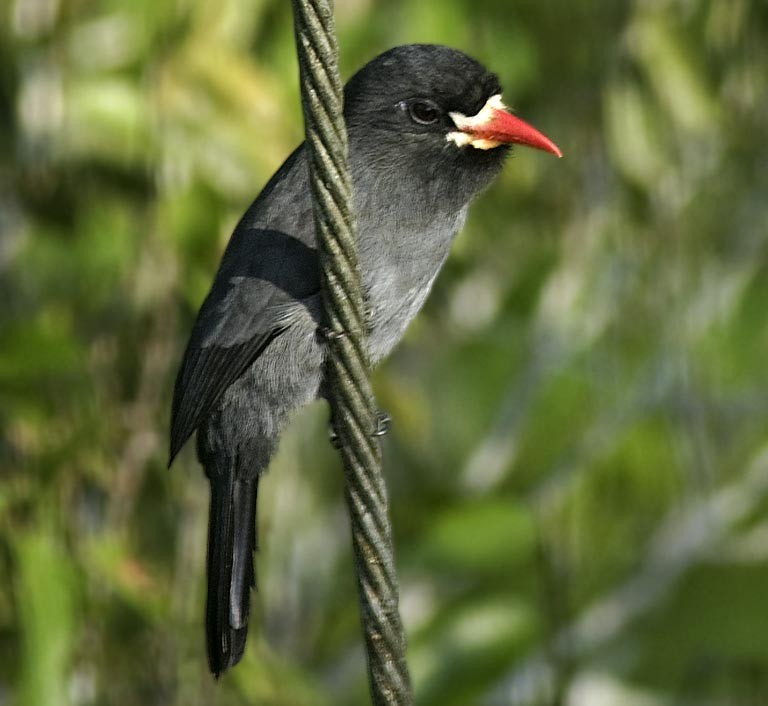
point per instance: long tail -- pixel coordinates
(231, 544)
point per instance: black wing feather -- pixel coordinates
(204, 376)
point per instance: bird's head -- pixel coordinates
(436, 108)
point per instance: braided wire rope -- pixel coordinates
(353, 408)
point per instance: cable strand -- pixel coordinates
(353, 408)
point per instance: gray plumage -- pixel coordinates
(254, 356)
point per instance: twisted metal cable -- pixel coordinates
(353, 409)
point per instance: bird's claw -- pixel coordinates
(382, 424)
(328, 334)
(334, 438)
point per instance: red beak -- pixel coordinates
(505, 127)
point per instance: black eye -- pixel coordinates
(424, 112)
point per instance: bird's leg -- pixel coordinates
(382, 422)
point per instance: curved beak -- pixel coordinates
(494, 125)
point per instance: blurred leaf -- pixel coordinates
(107, 118)
(491, 536)
(676, 78)
(476, 641)
(634, 130)
(36, 351)
(45, 596)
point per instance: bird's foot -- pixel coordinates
(327, 334)
(334, 438)
(382, 424)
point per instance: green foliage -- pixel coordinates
(578, 466)
(46, 618)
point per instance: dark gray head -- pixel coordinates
(431, 111)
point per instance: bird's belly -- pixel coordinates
(390, 319)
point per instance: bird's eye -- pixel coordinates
(424, 112)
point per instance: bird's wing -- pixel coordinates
(269, 268)
(205, 374)
(264, 276)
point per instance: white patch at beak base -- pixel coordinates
(463, 136)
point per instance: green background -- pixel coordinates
(579, 460)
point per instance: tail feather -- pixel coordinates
(231, 544)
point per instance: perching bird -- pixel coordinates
(427, 132)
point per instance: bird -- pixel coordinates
(427, 132)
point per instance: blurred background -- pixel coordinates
(578, 465)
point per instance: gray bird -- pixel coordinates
(427, 132)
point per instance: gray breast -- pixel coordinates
(399, 269)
